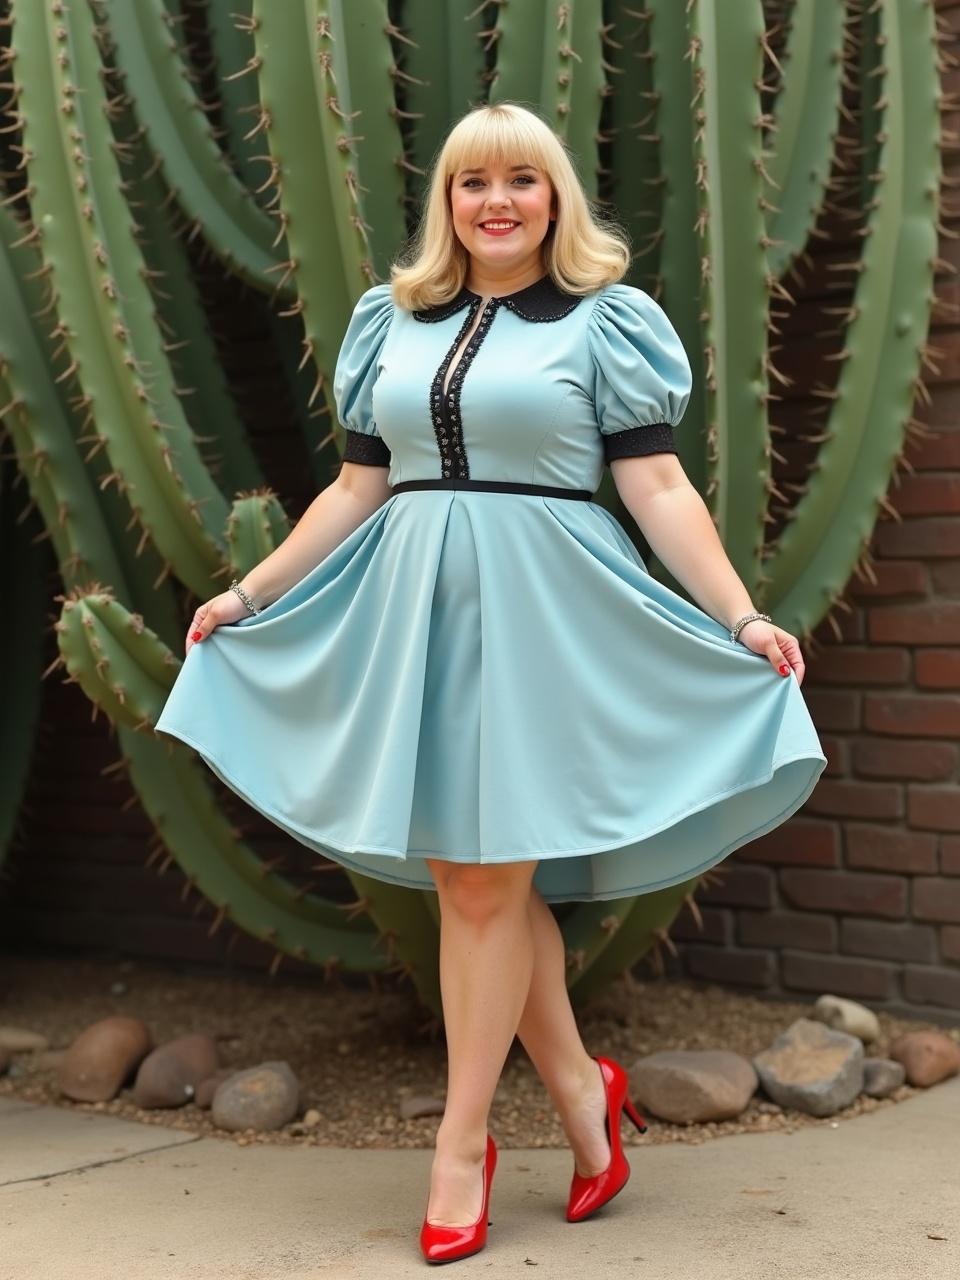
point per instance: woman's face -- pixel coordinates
(521, 196)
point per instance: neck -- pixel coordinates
(490, 284)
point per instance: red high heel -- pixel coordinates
(444, 1243)
(588, 1194)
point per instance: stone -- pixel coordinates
(20, 1040)
(927, 1056)
(812, 1068)
(208, 1087)
(262, 1098)
(847, 1015)
(688, 1086)
(169, 1075)
(421, 1105)
(102, 1057)
(881, 1076)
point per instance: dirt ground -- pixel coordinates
(357, 1053)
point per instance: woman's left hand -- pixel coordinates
(774, 643)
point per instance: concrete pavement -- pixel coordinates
(91, 1197)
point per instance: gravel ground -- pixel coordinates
(358, 1053)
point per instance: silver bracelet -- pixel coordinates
(742, 622)
(235, 586)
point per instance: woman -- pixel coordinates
(456, 672)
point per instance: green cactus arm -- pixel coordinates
(643, 924)
(256, 526)
(726, 48)
(549, 55)
(833, 519)
(106, 315)
(195, 169)
(442, 54)
(635, 173)
(679, 251)
(805, 117)
(317, 172)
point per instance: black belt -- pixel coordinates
(496, 486)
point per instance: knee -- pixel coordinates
(482, 893)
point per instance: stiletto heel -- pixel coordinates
(441, 1243)
(589, 1194)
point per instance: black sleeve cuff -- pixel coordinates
(655, 437)
(368, 449)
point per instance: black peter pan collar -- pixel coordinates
(541, 301)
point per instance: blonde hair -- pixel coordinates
(579, 253)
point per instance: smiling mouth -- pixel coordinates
(498, 224)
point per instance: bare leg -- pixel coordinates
(548, 1032)
(486, 963)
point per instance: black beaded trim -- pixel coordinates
(541, 301)
(368, 449)
(655, 437)
(445, 406)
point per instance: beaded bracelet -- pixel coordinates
(742, 622)
(235, 586)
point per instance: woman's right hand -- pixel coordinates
(218, 611)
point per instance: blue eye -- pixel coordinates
(520, 177)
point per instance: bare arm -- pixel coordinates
(332, 516)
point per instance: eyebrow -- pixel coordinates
(513, 168)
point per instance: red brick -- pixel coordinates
(738, 886)
(950, 855)
(945, 578)
(877, 848)
(935, 898)
(798, 842)
(730, 966)
(854, 664)
(833, 709)
(950, 942)
(889, 941)
(937, 668)
(933, 808)
(855, 893)
(932, 986)
(838, 756)
(936, 622)
(926, 536)
(842, 798)
(893, 578)
(938, 451)
(717, 925)
(926, 714)
(926, 495)
(800, 929)
(849, 625)
(920, 760)
(840, 975)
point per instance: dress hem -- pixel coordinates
(297, 831)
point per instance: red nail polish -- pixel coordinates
(197, 635)
(783, 669)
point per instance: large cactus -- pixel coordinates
(720, 134)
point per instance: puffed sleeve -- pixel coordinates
(356, 372)
(641, 375)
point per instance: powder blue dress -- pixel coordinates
(484, 671)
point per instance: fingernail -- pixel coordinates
(783, 669)
(197, 635)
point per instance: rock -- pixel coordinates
(263, 1097)
(691, 1085)
(19, 1040)
(847, 1015)
(207, 1088)
(170, 1074)
(102, 1057)
(48, 1058)
(311, 1118)
(881, 1076)
(812, 1068)
(927, 1056)
(421, 1105)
